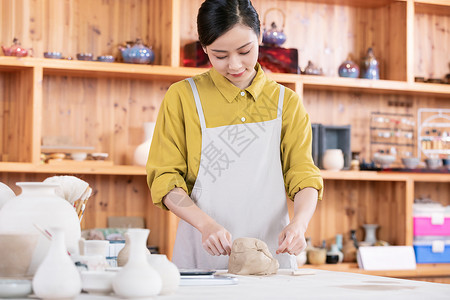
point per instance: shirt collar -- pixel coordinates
(230, 91)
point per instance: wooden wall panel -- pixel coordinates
(327, 34)
(107, 114)
(348, 205)
(354, 109)
(436, 191)
(96, 26)
(431, 45)
(16, 118)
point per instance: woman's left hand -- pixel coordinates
(291, 239)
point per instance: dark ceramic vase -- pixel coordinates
(349, 69)
(370, 68)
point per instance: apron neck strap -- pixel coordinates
(201, 116)
(280, 101)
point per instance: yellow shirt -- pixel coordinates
(174, 157)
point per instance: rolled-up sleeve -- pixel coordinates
(296, 140)
(166, 164)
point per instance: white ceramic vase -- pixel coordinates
(301, 258)
(141, 152)
(333, 159)
(122, 256)
(137, 279)
(334, 250)
(6, 194)
(38, 205)
(370, 231)
(168, 271)
(57, 277)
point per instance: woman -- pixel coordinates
(236, 141)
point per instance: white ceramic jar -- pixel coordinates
(57, 277)
(38, 205)
(141, 152)
(333, 159)
(168, 271)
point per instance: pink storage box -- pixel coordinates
(431, 219)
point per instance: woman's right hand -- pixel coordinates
(216, 240)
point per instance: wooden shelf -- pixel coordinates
(385, 176)
(72, 169)
(101, 69)
(422, 270)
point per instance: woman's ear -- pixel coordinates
(204, 49)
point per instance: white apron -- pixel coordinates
(240, 185)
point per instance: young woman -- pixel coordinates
(228, 145)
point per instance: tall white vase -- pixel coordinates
(38, 205)
(370, 230)
(168, 271)
(137, 279)
(141, 152)
(57, 277)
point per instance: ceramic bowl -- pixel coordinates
(16, 253)
(384, 160)
(97, 282)
(85, 56)
(317, 256)
(433, 163)
(57, 156)
(106, 58)
(54, 55)
(79, 156)
(410, 162)
(14, 288)
(99, 156)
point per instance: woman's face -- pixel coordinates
(234, 55)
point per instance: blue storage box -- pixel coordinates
(432, 251)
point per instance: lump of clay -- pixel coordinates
(250, 256)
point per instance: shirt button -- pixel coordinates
(242, 93)
(243, 119)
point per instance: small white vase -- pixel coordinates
(57, 277)
(334, 250)
(137, 279)
(38, 205)
(333, 160)
(301, 258)
(370, 230)
(141, 152)
(6, 194)
(122, 256)
(168, 271)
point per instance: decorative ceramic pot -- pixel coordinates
(168, 271)
(6, 194)
(317, 256)
(16, 49)
(122, 256)
(137, 279)
(349, 69)
(273, 36)
(333, 159)
(311, 69)
(137, 53)
(141, 152)
(370, 68)
(370, 237)
(38, 206)
(57, 277)
(334, 256)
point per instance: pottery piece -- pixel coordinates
(78, 156)
(349, 69)
(350, 247)
(85, 56)
(6, 194)
(334, 256)
(384, 160)
(170, 275)
(273, 36)
(370, 69)
(317, 256)
(433, 163)
(38, 206)
(137, 53)
(333, 159)
(16, 252)
(93, 254)
(106, 58)
(410, 162)
(97, 282)
(16, 49)
(311, 69)
(301, 258)
(141, 152)
(370, 236)
(57, 277)
(15, 288)
(122, 256)
(137, 279)
(53, 55)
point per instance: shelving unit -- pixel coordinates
(103, 105)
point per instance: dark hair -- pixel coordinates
(215, 17)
